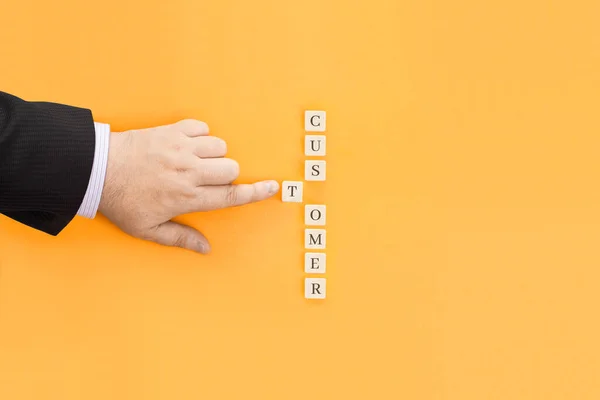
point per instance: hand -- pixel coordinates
(156, 174)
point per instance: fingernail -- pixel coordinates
(203, 248)
(273, 187)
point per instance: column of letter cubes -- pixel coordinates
(315, 215)
(315, 235)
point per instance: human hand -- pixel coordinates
(156, 174)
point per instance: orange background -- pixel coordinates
(462, 194)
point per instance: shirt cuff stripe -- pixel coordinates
(93, 194)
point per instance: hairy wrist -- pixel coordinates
(117, 156)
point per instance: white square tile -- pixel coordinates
(315, 238)
(315, 263)
(315, 288)
(315, 215)
(291, 191)
(315, 145)
(315, 121)
(315, 170)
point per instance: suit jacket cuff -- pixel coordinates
(46, 157)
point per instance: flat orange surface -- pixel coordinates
(462, 195)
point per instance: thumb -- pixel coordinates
(174, 234)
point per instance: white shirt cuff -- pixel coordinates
(91, 200)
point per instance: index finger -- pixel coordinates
(217, 197)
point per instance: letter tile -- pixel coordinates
(315, 288)
(315, 121)
(315, 263)
(315, 170)
(314, 238)
(315, 145)
(314, 215)
(291, 191)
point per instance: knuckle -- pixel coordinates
(144, 234)
(231, 195)
(179, 240)
(187, 191)
(170, 161)
(254, 193)
(176, 147)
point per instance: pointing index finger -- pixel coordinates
(216, 197)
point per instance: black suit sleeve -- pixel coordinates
(46, 157)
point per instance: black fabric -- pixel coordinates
(46, 157)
